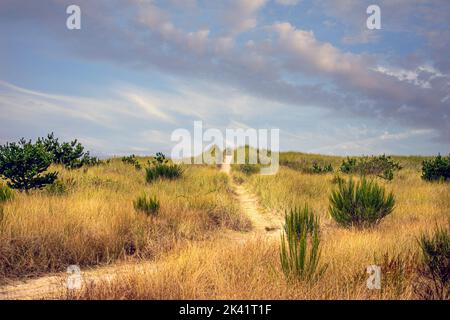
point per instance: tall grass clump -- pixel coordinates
(300, 245)
(5, 193)
(148, 205)
(435, 269)
(360, 204)
(436, 169)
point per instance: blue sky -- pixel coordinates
(137, 70)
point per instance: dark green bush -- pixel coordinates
(70, 154)
(348, 165)
(382, 166)
(360, 204)
(316, 168)
(133, 161)
(5, 193)
(436, 169)
(159, 167)
(435, 269)
(23, 164)
(300, 245)
(148, 205)
(164, 171)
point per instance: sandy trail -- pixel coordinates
(264, 225)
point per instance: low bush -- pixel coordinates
(436, 169)
(70, 154)
(360, 204)
(382, 166)
(159, 167)
(316, 168)
(300, 245)
(133, 161)
(435, 268)
(148, 205)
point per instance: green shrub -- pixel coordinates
(5, 193)
(300, 245)
(148, 205)
(360, 204)
(382, 166)
(436, 169)
(316, 168)
(24, 164)
(133, 161)
(165, 171)
(435, 269)
(348, 165)
(70, 154)
(159, 167)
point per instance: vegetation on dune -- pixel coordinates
(146, 204)
(316, 168)
(382, 166)
(69, 154)
(95, 222)
(435, 268)
(436, 169)
(360, 204)
(160, 167)
(24, 165)
(132, 160)
(300, 245)
(100, 215)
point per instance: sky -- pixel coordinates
(139, 69)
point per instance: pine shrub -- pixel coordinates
(133, 161)
(316, 168)
(70, 154)
(160, 168)
(360, 204)
(24, 165)
(382, 166)
(436, 169)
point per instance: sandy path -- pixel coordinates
(52, 286)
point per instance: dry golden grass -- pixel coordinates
(94, 222)
(97, 219)
(251, 270)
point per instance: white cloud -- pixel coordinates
(241, 15)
